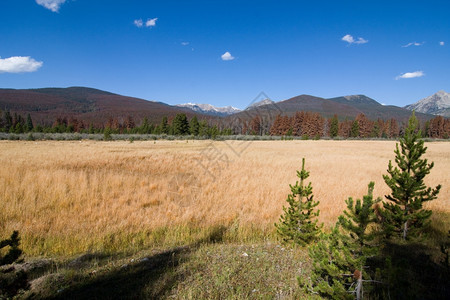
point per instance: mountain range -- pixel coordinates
(97, 107)
(211, 109)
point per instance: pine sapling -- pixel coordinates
(298, 224)
(403, 213)
(340, 258)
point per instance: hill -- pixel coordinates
(87, 104)
(345, 107)
(374, 110)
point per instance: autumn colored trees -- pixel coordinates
(314, 125)
(302, 124)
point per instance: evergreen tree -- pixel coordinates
(164, 126)
(299, 223)
(403, 213)
(355, 129)
(340, 258)
(213, 132)
(203, 129)
(7, 119)
(334, 126)
(91, 129)
(107, 134)
(180, 125)
(145, 127)
(194, 126)
(18, 128)
(332, 262)
(2, 123)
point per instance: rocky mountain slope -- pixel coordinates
(437, 104)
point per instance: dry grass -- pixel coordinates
(70, 197)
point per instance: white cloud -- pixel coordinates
(413, 44)
(138, 23)
(410, 75)
(19, 64)
(53, 5)
(441, 43)
(350, 39)
(227, 56)
(151, 22)
(184, 43)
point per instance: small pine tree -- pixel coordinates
(332, 262)
(403, 214)
(299, 223)
(340, 258)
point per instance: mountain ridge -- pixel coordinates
(97, 106)
(436, 104)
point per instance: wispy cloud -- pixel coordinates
(139, 23)
(441, 43)
(184, 43)
(413, 44)
(19, 64)
(227, 56)
(410, 75)
(53, 5)
(351, 40)
(149, 23)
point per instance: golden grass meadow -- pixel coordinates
(71, 197)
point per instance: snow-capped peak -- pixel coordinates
(211, 109)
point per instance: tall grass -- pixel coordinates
(76, 196)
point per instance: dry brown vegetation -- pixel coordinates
(71, 197)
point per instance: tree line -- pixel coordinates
(310, 125)
(302, 123)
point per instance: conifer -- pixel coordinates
(194, 126)
(298, 224)
(340, 258)
(403, 213)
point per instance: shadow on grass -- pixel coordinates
(151, 278)
(415, 270)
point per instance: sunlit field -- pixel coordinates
(72, 197)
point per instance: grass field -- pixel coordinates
(67, 198)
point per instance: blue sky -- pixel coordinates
(227, 52)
